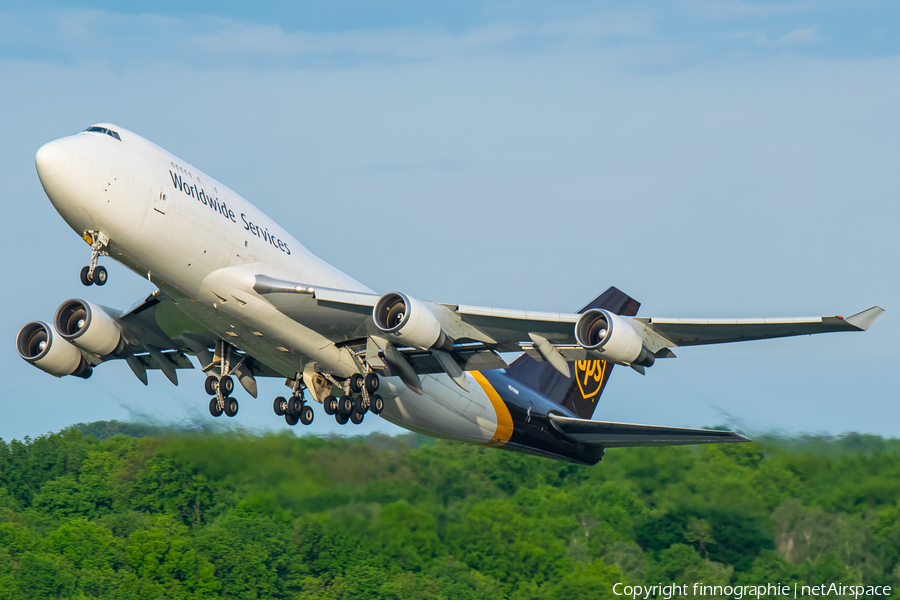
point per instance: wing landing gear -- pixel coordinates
(222, 385)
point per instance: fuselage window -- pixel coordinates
(108, 132)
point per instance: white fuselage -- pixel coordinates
(203, 244)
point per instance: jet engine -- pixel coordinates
(88, 327)
(40, 345)
(408, 322)
(612, 338)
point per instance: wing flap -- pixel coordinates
(622, 435)
(176, 357)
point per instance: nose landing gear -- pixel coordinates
(93, 273)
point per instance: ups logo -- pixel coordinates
(589, 374)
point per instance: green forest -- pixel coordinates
(111, 510)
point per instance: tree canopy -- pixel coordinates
(107, 510)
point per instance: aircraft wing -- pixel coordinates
(478, 332)
(152, 334)
(695, 332)
(342, 316)
(620, 435)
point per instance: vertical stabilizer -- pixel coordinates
(579, 392)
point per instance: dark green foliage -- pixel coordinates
(89, 512)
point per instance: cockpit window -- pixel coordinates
(108, 132)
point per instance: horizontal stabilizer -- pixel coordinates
(863, 320)
(620, 435)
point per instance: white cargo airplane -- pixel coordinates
(248, 300)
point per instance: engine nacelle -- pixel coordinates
(408, 322)
(611, 338)
(88, 327)
(40, 345)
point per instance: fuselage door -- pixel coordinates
(160, 197)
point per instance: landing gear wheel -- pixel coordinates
(231, 407)
(372, 383)
(360, 406)
(85, 276)
(280, 406)
(290, 419)
(295, 406)
(227, 385)
(345, 406)
(356, 383)
(330, 405)
(100, 275)
(307, 415)
(341, 419)
(211, 384)
(214, 409)
(376, 404)
(356, 418)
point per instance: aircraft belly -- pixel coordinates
(444, 410)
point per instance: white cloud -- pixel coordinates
(675, 35)
(796, 37)
(250, 40)
(742, 9)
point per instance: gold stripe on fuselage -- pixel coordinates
(504, 419)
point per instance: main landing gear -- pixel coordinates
(359, 399)
(295, 409)
(221, 386)
(94, 273)
(221, 402)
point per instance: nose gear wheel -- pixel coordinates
(94, 274)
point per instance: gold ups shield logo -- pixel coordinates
(589, 374)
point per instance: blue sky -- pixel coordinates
(710, 158)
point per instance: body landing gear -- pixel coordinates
(360, 399)
(93, 273)
(294, 409)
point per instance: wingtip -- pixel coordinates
(863, 320)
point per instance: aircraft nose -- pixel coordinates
(50, 159)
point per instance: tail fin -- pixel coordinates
(578, 393)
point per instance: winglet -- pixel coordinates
(863, 320)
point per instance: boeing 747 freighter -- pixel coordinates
(247, 300)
